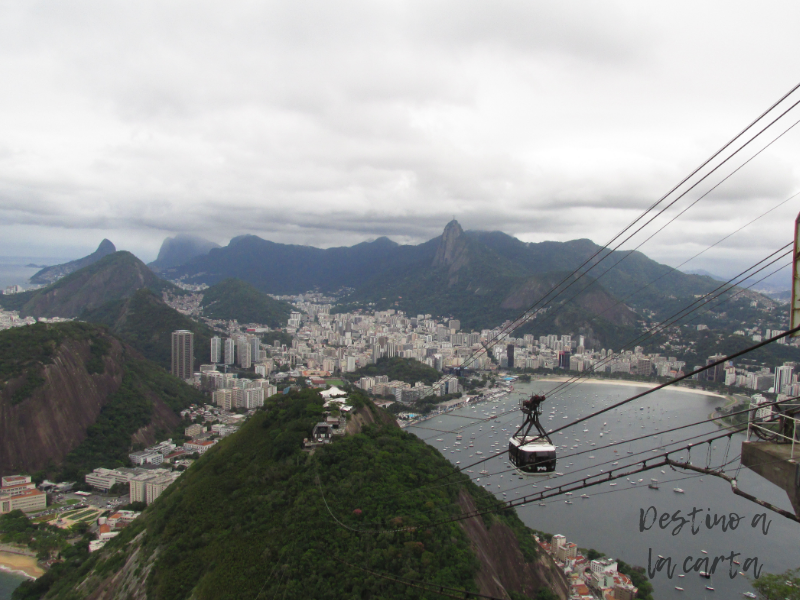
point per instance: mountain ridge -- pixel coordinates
(180, 249)
(74, 397)
(114, 276)
(53, 273)
(256, 505)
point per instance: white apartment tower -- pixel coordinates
(783, 378)
(230, 344)
(216, 349)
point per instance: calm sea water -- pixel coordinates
(13, 269)
(609, 520)
(8, 583)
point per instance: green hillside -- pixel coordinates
(131, 407)
(25, 351)
(72, 396)
(113, 277)
(249, 520)
(236, 299)
(400, 369)
(145, 322)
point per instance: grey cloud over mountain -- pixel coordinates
(330, 123)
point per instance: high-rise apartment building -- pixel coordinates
(244, 355)
(216, 349)
(783, 378)
(510, 355)
(255, 347)
(183, 354)
(230, 344)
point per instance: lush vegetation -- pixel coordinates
(44, 539)
(780, 586)
(399, 369)
(114, 276)
(24, 351)
(48, 541)
(277, 336)
(638, 578)
(108, 440)
(250, 519)
(145, 322)
(235, 299)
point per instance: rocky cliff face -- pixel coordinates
(503, 566)
(54, 419)
(452, 252)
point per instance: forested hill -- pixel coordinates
(73, 398)
(250, 520)
(55, 272)
(400, 369)
(115, 276)
(145, 322)
(236, 299)
(481, 278)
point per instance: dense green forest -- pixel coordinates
(235, 299)
(400, 369)
(258, 517)
(145, 322)
(25, 350)
(277, 336)
(108, 440)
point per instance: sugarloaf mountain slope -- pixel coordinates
(258, 517)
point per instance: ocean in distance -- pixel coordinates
(13, 269)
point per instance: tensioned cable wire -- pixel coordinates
(673, 381)
(669, 321)
(576, 379)
(612, 445)
(681, 213)
(516, 323)
(686, 311)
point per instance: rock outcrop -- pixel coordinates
(54, 419)
(52, 274)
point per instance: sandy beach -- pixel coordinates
(641, 384)
(19, 563)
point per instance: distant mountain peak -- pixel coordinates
(180, 249)
(452, 250)
(105, 247)
(50, 274)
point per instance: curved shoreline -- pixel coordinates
(644, 384)
(20, 564)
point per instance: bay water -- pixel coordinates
(618, 520)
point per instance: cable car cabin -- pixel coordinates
(534, 455)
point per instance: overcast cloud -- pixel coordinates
(329, 123)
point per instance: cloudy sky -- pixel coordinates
(330, 123)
